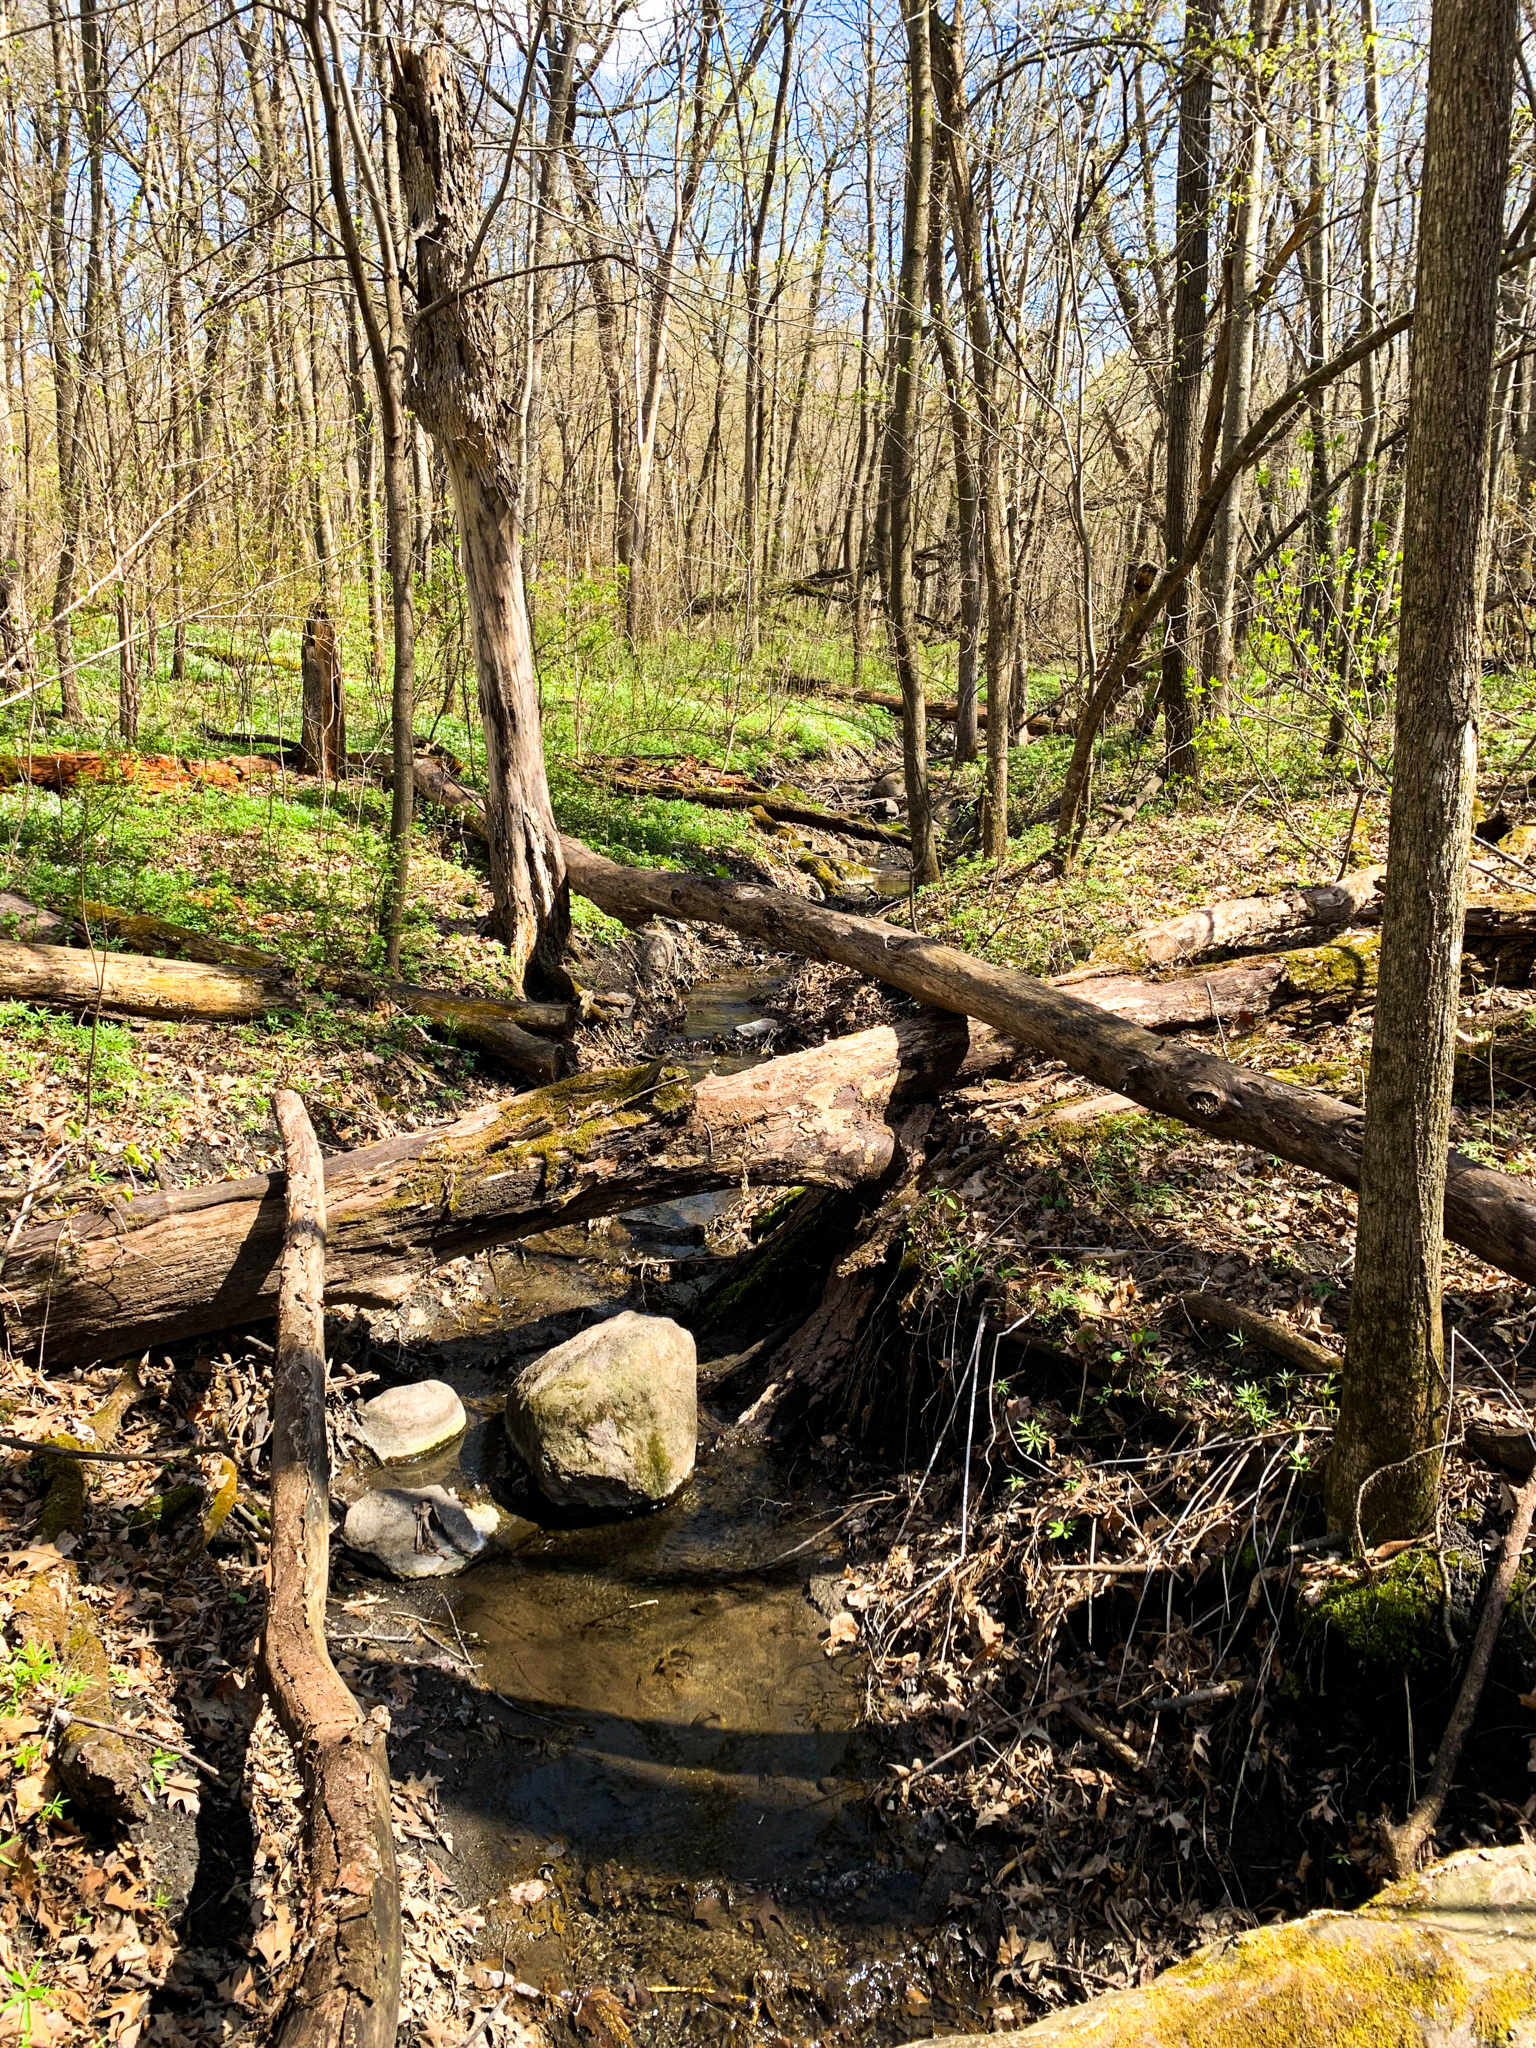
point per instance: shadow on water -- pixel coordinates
(657, 1781)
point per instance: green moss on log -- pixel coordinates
(1342, 971)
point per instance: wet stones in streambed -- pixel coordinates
(406, 1422)
(610, 1420)
(421, 1532)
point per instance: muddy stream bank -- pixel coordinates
(655, 1785)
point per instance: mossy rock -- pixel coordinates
(1445, 1960)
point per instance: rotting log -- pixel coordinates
(1341, 973)
(178, 1264)
(1244, 919)
(1492, 1214)
(349, 1993)
(436, 785)
(69, 978)
(515, 1033)
(1449, 1956)
(149, 773)
(782, 810)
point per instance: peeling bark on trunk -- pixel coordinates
(453, 385)
(323, 745)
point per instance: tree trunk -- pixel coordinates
(1383, 1470)
(181, 1264)
(1005, 715)
(323, 745)
(1192, 262)
(349, 1993)
(1240, 347)
(454, 387)
(385, 331)
(899, 459)
(752, 280)
(1493, 1214)
(127, 671)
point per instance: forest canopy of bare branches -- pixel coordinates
(691, 236)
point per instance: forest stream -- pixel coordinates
(655, 1784)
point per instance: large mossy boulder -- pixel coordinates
(1444, 1960)
(610, 1420)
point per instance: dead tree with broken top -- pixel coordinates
(323, 728)
(455, 388)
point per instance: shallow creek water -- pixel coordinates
(656, 1781)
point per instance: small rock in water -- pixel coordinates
(421, 1532)
(757, 1028)
(610, 1419)
(827, 1593)
(407, 1422)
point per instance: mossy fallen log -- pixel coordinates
(1445, 1958)
(1241, 920)
(1492, 1214)
(1337, 975)
(70, 1479)
(1499, 930)
(518, 1034)
(168, 1265)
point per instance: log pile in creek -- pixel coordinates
(180, 1264)
(1492, 1214)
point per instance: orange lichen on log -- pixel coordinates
(154, 774)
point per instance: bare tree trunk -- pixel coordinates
(385, 331)
(127, 671)
(453, 382)
(899, 458)
(1240, 345)
(1383, 1469)
(1005, 705)
(752, 279)
(1192, 261)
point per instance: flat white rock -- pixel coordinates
(407, 1422)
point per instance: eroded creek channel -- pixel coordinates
(654, 1781)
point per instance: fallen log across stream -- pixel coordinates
(180, 1264)
(1492, 1214)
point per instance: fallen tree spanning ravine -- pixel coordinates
(168, 1266)
(1492, 1214)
